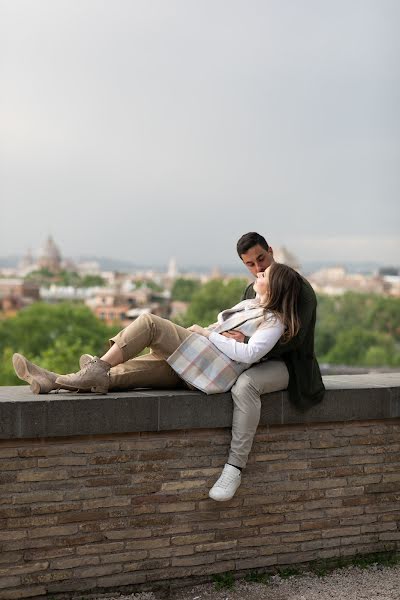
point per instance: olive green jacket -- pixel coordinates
(305, 382)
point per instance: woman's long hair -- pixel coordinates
(282, 298)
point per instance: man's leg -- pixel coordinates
(268, 376)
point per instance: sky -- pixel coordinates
(148, 129)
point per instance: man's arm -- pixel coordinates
(248, 293)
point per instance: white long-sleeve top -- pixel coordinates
(261, 342)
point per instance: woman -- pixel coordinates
(202, 358)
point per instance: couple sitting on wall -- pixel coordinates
(263, 344)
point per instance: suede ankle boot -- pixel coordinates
(94, 376)
(41, 380)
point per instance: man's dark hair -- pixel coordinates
(248, 240)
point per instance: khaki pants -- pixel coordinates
(152, 371)
(265, 377)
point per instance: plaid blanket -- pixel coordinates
(198, 362)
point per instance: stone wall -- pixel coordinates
(107, 510)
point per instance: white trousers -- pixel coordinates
(265, 377)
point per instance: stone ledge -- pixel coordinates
(24, 415)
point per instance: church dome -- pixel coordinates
(49, 255)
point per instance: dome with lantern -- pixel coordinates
(49, 256)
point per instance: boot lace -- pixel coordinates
(88, 365)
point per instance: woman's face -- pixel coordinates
(261, 284)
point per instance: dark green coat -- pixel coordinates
(305, 382)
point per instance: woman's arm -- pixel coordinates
(258, 346)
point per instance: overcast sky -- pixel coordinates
(148, 129)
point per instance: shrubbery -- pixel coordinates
(53, 336)
(353, 329)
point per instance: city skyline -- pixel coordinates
(148, 130)
(13, 262)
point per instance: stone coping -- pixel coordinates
(25, 415)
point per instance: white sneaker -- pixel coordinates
(225, 487)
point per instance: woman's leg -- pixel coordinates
(148, 331)
(113, 356)
(146, 371)
(41, 381)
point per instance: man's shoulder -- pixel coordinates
(307, 291)
(249, 292)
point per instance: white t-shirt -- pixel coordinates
(261, 342)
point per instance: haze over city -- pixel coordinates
(145, 130)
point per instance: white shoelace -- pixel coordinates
(227, 478)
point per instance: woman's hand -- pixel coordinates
(199, 330)
(234, 335)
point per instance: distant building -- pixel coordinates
(49, 256)
(172, 272)
(120, 305)
(15, 293)
(88, 268)
(336, 281)
(27, 263)
(178, 308)
(216, 273)
(283, 255)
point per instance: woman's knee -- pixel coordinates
(146, 320)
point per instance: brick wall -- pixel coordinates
(103, 511)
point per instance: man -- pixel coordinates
(291, 366)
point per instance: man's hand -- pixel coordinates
(234, 335)
(199, 330)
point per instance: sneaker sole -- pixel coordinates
(221, 499)
(22, 370)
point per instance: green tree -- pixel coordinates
(92, 281)
(350, 346)
(54, 336)
(210, 299)
(68, 278)
(152, 285)
(41, 277)
(183, 289)
(358, 329)
(383, 314)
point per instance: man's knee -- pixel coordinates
(244, 386)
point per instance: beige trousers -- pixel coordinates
(152, 371)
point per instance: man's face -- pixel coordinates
(257, 259)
